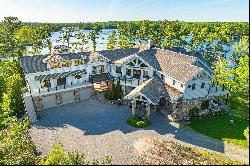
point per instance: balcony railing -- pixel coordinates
(58, 88)
(131, 81)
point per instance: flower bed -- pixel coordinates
(138, 122)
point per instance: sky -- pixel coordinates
(70, 11)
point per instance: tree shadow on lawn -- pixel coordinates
(96, 118)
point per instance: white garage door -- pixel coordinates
(48, 101)
(85, 93)
(68, 97)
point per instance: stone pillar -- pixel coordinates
(133, 102)
(58, 98)
(143, 108)
(77, 94)
(147, 110)
(37, 103)
(124, 90)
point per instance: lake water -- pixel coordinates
(101, 41)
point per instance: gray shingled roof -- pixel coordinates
(153, 89)
(173, 64)
(117, 54)
(33, 64)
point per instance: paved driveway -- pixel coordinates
(106, 131)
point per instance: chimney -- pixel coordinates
(150, 43)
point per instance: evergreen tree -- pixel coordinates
(112, 40)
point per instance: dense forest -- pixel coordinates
(211, 39)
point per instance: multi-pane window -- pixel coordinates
(118, 69)
(66, 63)
(94, 69)
(78, 76)
(101, 68)
(145, 74)
(189, 86)
(78, 62)
(45, 83)
(193, 86)
(128, 72)
(202, 85)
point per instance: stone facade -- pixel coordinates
(181, 109)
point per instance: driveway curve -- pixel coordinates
(98, 130)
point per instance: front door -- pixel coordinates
(137, 74)
(61, 81)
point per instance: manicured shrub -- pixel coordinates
(193, 113)
(114, 93)
(138, 122)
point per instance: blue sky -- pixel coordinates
(109, 10)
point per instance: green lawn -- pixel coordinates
(218, 127)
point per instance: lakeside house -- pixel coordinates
(169, 80)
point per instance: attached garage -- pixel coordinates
(62, 97)
(85, 93)
(48, 101)
(67, 97)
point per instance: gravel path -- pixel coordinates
(99, 130)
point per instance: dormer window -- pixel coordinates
(78, 62)
(54, 65)
(66, 63)
(174, 82)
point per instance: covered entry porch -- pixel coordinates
(101, 81)
(149, 96)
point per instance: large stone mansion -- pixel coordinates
(171, 81)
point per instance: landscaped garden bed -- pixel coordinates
(219, 127)
(138, 122)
